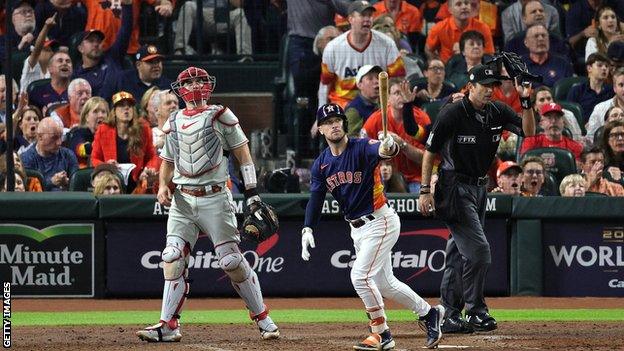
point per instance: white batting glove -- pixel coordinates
(307, 241)
(387, 146)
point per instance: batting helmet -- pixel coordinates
(199, 93)
(328, 111)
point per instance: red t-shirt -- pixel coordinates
(540, 140)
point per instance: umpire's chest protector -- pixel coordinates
(197, 147)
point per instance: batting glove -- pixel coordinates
(307, 241)
(388, 146)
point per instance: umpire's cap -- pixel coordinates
(483, 74)
(328, 111)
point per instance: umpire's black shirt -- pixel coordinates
(467, 139)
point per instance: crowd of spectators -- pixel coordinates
(92, 91)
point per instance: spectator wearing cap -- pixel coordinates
(146, 73)
(520, 15)
(551, 122)
(407, 18)
(78, 92)
(366, 102)
(597, 117)
(20, 36)
(357, 47)
(533, 12)
(508, 180)
(36, 64)
(543, 95)
(55, 162)
(403, 118)
(433, 89)
(54, 92)
(126, 138)
(107, 16)
(443, 39)
(595, 90)
(70, 19)
(592, 166)
(100, 65)
(540, 60)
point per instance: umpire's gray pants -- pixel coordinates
(467, 254)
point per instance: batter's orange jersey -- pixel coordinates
(341, 62)
(409, 19)
(445, 34)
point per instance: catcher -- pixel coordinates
(193, 156)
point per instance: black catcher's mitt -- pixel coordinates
(515, 67)
(260, 222)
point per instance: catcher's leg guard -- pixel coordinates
(175, 269)
(243, 278)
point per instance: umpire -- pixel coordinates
(466, 136)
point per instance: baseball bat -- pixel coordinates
(383, 101)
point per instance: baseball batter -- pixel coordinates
(196, 139)
(349, 169)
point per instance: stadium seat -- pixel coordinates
(550, 186)
(577, 110)
(37, 83)
(562, 86)
(593, 193)
(81, 180)
(560, 162)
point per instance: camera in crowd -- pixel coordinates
(515, 67)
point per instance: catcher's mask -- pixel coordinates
(328, 111)
(194, 93)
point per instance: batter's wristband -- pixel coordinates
(525, 102)
(250, 192)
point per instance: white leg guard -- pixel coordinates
(175, 257)
(243, 278)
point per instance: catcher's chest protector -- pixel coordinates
(197, 147)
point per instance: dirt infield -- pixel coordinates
(296, 337)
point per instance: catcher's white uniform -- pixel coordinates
(194, 144)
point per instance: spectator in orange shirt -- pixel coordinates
(484, 11)
(78, 92)
(407, 18)
(31, 184)
(443, 39)
(400, 109)
(104, 15)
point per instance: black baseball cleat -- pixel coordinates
(456, 325)
(432, 322)
(481, 321)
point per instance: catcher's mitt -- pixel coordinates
(260, 222)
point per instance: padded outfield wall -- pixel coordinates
(73, 244)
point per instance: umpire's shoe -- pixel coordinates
(456, 325)
(161, 332)
(268, 329)
(432, 324)
(383, 341)
(481, 321)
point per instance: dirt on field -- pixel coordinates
(334, 336)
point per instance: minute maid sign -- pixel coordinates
(54, 261)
